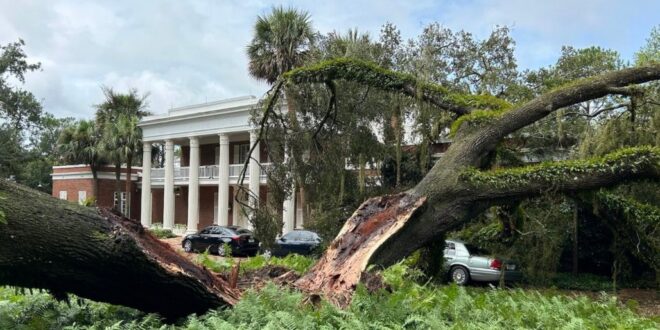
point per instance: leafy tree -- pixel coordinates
(18, 108)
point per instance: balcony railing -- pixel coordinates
(206, 172)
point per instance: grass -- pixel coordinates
(407, 304)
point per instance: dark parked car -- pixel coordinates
(240, 240)
(298, 241)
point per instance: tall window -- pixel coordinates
(63, 194)
(243, 150)
(82, 195)
(120, 203)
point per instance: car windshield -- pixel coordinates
(475, 250)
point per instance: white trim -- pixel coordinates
(198, 133)
(88, 175)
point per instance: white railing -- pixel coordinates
(206, 172)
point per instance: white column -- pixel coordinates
(223, 181)
(289, 205)
(193, 186)
(168, 191)
(145, 203)
(254, 170)
(289, 212)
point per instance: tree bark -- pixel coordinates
(66, 248)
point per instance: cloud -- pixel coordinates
(184, 52)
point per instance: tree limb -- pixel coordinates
(567, 176)
(370, 74)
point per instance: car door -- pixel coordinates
(288, 243)
(216, 238)
(449, 253)
(201, 242)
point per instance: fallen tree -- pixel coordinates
(93, 253)
(45, 243)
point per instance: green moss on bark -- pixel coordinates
(630, 160)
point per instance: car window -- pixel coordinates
(292, 236)
(450, 248)
(242, 231)
(307, 236)
(205, 231)
(475, 250)
(218, 231)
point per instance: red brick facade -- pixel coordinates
(76, 179)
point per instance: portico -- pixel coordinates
(210, 143)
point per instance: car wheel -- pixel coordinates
(460, 275)
(221, 250)
(187, 246)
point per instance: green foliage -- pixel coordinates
(629, 160)
(89, 201)
(475, 118)
(18, 108)
(298, 263)
(3, 218)
(534, 233)
(162, 233)
(406, 305)
(370, 74)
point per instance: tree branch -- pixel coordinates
(567, 176)
(493, 126)
(370, 74)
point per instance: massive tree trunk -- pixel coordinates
(65, 248)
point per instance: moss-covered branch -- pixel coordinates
(370, 74)
(572, 175)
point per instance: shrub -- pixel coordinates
(162, 233)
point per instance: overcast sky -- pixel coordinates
(186, 52)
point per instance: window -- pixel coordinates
(243, 150)
(120, 202)
(82, 196)
(63, 194)
(450, 248)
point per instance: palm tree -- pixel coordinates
(118, 117)
(81, 143)
(116, 104)
(281, 42)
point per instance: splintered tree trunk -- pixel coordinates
(96, 254)
(342, 265)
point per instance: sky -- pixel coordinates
(189, 52)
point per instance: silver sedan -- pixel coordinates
(467, 263)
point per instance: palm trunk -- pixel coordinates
(129, 184)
